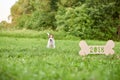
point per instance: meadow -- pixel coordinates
(24, 56)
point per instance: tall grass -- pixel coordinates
(29, 59)
(60, 35)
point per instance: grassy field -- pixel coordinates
(27, 58)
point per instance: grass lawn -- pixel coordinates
(27, 58)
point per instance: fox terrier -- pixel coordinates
(51, 41)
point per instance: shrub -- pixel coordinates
(75, 21)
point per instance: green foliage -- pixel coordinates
(40, 21)
(81, 18)
(104, 25)
(34, 14)
(88, 19)
(4, 25)
(74, 21)
(69, 3)
(21, 21)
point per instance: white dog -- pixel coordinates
(51, 41)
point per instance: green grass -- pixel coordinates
(36, 34)
(27, 58)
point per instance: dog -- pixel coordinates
(51, 41)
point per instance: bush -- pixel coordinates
(37, 21)
(88, 21)
(75, 21)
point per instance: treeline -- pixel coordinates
(87, 19)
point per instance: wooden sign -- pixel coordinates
(102, 49)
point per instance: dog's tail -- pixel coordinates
(48, 34)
